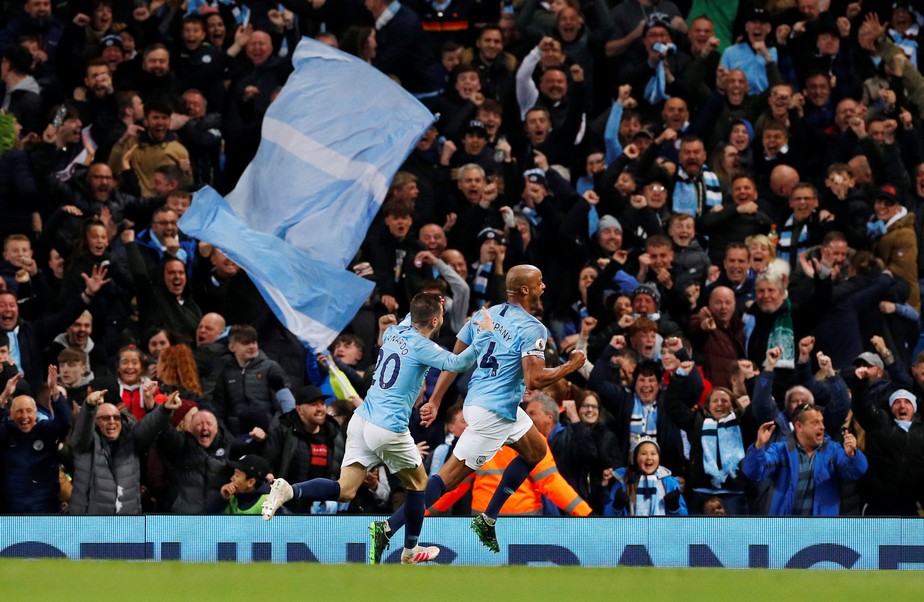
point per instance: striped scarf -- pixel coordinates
(480, 285)
(696, 195)
(723, 448)
(785, 248)
(649, 495)
(643, 422)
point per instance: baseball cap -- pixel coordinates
(644, 131)
(253, 466)
(868, 358)
(309, 394)
(476, 127)
(758, 14)
(888, 194)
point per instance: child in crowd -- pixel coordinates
(645, 488)
(73, 373)
(247, 490)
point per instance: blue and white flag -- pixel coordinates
(332, 142)
(315, 300)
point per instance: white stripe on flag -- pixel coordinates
(323, 158)
(303, 327)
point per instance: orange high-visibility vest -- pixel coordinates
(543, 480)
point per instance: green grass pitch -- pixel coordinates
(108, 581)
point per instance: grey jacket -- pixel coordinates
(107, 476)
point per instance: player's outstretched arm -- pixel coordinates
(429, 410)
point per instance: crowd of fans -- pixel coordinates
(724, 197)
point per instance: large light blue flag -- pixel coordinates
(332, 141)
(314, 299)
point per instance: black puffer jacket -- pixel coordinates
(252, 387)
(196, 473)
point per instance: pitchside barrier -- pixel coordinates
(776, 543)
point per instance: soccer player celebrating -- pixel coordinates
(378, 432)
(508, 363)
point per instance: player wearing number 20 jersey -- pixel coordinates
(403, 361)
(497, 383)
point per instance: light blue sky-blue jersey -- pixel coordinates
(402, 364)
(497, 383)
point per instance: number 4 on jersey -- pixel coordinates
(488, 361)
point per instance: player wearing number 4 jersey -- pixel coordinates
(510, 362)
(378, 432)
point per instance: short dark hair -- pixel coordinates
(776, 125)
(195, 18)
(152, 47)
(647, 368)
(806, 185)
(490, 27)
(799, 415)
(737, 245)
(424, 307)
(125, 99)
(658, 240)
(743, 175)
(69, 355)
(19, 59)
(833, 236)
(491, 106)
(242, 333)
(435, 284)
(397, 208)
(170, 171)
(691, 139)
(347, 340)
(157, 105)
(96, 62)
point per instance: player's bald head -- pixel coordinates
(519, 276)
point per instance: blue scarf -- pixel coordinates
(644, 421)
(875, 229)
(723, 448)
(656, 88)
(480, 285)
(649, 494)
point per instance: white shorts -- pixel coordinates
(369, 444)
(486, 433)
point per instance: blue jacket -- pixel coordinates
(29, 462)
(670, 484)
(780, 462)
